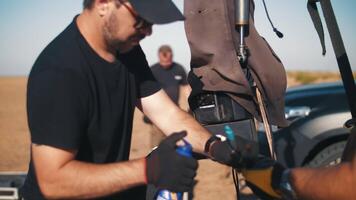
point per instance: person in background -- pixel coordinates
(173, 80)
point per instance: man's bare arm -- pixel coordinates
(185, 91)
(269, 179)
(325, 184)
(61, 177)
(170, 118)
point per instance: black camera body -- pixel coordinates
(215, 110)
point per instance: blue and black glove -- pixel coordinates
(166, 169)
(222, 151)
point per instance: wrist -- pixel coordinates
(286, 187)
(209, 144)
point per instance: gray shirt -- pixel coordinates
(170, 79)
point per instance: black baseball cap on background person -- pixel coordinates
(157, 11)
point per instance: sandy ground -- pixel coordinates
(214, 180)
(14, 135)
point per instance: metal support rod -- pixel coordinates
(242, 18)
(242, 47)
(266, 124)
(341, 56)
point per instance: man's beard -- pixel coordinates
(110, 29)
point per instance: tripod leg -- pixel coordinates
(235, 177)
(266, 123)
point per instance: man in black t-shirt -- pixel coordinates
(173, 80)
(81, 95)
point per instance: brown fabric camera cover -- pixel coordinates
(213, 41)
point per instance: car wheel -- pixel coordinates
(330, 155)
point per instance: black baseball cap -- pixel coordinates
(157, 11)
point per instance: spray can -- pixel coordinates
(185, 150)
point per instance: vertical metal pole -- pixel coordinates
(341, 56)
(242, 18)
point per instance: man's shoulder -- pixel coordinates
(155, 67)
(178, 67)
(65, 45)
(61, 52)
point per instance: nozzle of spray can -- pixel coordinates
(184, 150)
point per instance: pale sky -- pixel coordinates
(26, 27)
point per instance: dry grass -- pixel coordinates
(307, 77)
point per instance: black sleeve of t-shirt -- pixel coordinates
(57, 107)
(137, 64)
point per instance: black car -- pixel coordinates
(316, 136)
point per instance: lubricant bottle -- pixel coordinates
(184, 150)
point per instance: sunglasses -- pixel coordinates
(140, 23)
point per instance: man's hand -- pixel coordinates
(166, 169)
(222, 152)
(269, 180)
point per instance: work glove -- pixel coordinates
(269, 180)
(166, 169)
(222, 152)
(237, 156)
